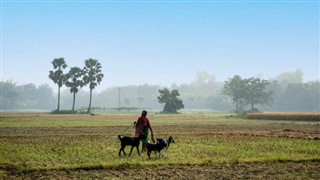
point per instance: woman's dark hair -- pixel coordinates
(144, 113)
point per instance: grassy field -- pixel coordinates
(37, 146)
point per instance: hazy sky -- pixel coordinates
(159, 42)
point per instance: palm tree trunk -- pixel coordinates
(90, 101)
(58, 108)
(74, 100)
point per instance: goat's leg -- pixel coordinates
(122, 149)
(131, 150)
(138, 150)
(124, 152)
(165, 151)
(149, 152)
(143, 147)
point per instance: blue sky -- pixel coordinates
(160, 42)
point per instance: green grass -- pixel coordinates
(78, 151)
(100, 120)
(85, 145)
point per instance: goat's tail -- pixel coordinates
(119, 137)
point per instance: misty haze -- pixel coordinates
(204, 93)
(159, 89)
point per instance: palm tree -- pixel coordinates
(92, 76)
(74, 82)
(57, 76)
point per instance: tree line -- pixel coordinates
(27, 96)
(289, 94)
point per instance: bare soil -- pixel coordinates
(311, 132)
(284, 170)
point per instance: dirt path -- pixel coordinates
(284, 170)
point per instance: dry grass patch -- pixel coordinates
(285, 116)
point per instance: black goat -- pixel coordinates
(130, 141)
(169, 140)
(162, 144)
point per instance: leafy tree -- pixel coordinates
(235, 88)
(311, 97)
(301, 97)
(30, 95)
(75, 82)
(57, 76)
(290, 77)
(204, 84)
(171, 100)
(45, 97)
(255, 92)
(11, 96)
(218, 103)
(202, 78)
(140, 99)
(92, 76)
(247, 91)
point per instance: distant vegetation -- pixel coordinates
(289, 94)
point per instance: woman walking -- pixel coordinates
(142, 127)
